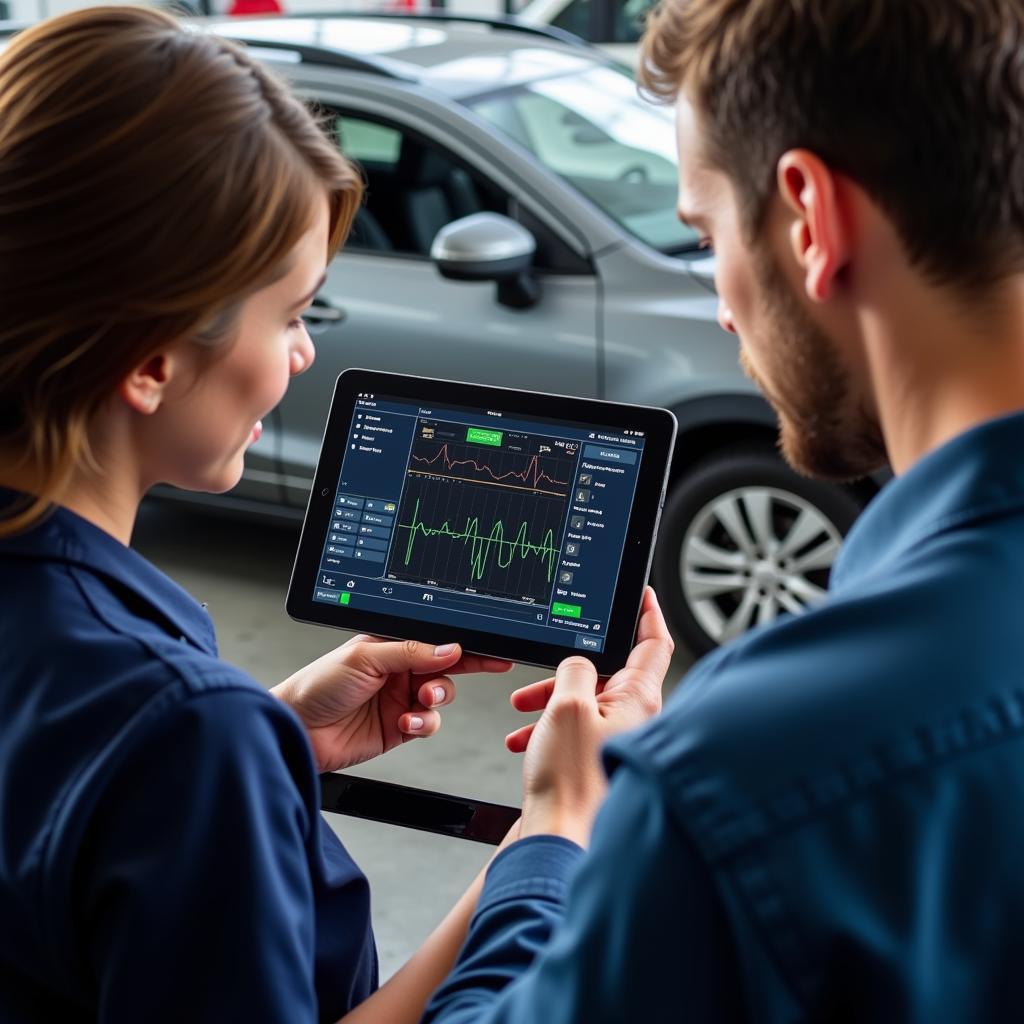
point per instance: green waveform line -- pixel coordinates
(480, 546)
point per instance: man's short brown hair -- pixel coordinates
(921, 102)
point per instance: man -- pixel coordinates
(826, 822)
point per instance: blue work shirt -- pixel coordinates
(162, 854)
(827, 821)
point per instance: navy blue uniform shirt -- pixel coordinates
(162, 854)
(827, 821)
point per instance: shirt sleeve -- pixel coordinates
(642, 936)
(195, 900)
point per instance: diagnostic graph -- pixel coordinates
(503, 468)
(486, 519)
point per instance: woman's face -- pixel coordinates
(212, 411)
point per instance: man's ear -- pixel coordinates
(144, 388)
(819, 235)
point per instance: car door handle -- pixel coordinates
(323, 312)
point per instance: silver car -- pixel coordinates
(519, 229)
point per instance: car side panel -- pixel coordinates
(404, 317)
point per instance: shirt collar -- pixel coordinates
(979, 473)
(66, 537)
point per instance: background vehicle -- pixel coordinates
(614, 25)
(583, 282)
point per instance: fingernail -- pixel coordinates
(438, 694)
(444, 650)
(415, 723)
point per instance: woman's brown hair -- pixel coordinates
(151, 176)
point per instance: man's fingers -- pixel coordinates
(653, 652)
(652, 623)
(517, 741)
(407, 656)
(575, 680)
(533, 696)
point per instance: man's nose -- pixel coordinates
(725, 318)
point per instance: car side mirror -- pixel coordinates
(489, 247)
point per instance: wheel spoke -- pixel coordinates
(701, 585)
(702, 555)
(789, 602)
(758, 506)
(740, 619)
(808, 525)
(767, 610)
(820, 557)
(804, 590)
(728, 513)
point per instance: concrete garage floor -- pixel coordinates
(241, 570)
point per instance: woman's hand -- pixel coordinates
(371, 695)
(563, 781)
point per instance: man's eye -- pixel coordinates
(704, 243)
(295, 324)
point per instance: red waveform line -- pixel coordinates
(533, 466)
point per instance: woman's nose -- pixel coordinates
(302, 356)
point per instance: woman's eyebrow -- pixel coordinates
(306, 298)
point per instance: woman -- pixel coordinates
(167, 210)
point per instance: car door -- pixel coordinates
(385, 305)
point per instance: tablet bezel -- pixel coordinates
(659, 426)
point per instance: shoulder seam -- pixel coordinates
(726, 834)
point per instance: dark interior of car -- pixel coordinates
(416, 188)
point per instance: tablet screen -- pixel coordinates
(511, 523)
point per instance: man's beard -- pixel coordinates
(824, 432)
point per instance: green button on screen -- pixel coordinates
(566, 611)
(344, 597)
(478, 436)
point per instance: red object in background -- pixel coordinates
(240, 7)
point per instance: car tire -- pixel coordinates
(744, 539)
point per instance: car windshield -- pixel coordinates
(593, 129)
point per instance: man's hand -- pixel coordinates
(371, 695)
(563, 782)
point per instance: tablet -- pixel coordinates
(520, 525)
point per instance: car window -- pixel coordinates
(365, 141)
(575, 17)
(592, 129)
(414, 187)
(627, 24)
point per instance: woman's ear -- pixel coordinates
(143, 390)
(819, 234)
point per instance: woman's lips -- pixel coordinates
(257, 432)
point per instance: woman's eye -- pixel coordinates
(295, 324)
(704, 243)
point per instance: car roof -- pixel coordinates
(459, 56)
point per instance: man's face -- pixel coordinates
(825, 429)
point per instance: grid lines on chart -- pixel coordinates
(494, 540)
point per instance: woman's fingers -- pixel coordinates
(435, 693)
(479, 663)
(383, 659)
(466, 664)
(416, 724)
